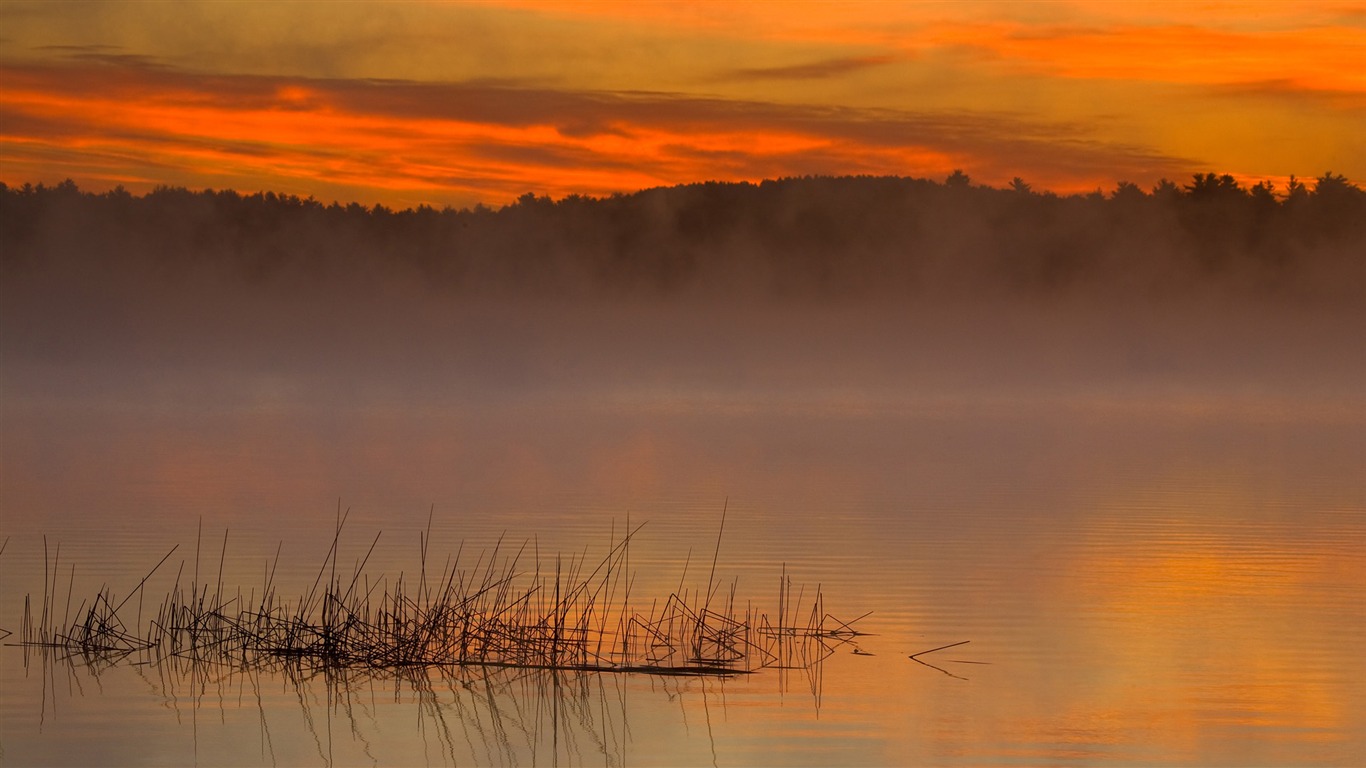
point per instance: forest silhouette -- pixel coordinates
(795, 238)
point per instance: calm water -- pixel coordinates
(1155, 569)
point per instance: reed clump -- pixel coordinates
(494, 614)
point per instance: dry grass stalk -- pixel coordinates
(493, 615)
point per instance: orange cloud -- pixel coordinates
(1069, 96)
(407, 142)
(1314, 59)
(1315, 45)
(812, 71)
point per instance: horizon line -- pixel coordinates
(1243, 183)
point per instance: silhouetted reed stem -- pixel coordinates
(492, 615)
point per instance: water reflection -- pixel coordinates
(192, 711)
(1166, 585)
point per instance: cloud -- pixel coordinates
(1314, 58)
(79, 49)
(339, 135)
(617, 94)
(813, 71)
(1338, 101)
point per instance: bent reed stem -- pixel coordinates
(496, 615)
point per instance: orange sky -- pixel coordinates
(453, 103)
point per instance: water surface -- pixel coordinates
(1154, 548)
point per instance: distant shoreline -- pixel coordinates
(805, 238)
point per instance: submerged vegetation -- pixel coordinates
(498, 613)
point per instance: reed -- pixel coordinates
(495, 614)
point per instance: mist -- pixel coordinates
(856, 290)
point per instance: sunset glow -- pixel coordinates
(458, 103)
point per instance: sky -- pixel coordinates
(460, 103)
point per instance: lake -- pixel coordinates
(1149, 531)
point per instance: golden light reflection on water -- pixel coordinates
(1172, 586)
(1233, 630)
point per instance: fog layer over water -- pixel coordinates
(822, 286)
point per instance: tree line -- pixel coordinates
(797, 237)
